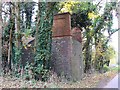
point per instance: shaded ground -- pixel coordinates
(92, 81)
(89, 81)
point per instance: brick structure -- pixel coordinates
(61, 25)
(66, 48)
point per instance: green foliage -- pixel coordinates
(116, 68)
(79, 11)
(28, 72)
(105, 68)
(17, 55)
(103, 23)
(27, 32)
(86, 15)
(6, 30)
(43, 39)
(110, 53)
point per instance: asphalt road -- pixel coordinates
(114, 83)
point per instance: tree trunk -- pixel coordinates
(0, 38)
(9, 50)
(17, 24)
(43, 36)
(37, 25)
(96, 54)
(18, 35)
(88, 53)
(10, 38)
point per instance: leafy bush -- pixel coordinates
(105, 68)
(28, 72)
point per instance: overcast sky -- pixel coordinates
(115, 35)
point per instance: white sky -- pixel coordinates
(114, 42)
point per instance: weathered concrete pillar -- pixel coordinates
(66, 49)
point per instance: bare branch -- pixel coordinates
(108, 38)
(98, 3)
(4, 11)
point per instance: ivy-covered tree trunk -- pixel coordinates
(97, 54)
(44, 37)
(88, 52)
(17, 36)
